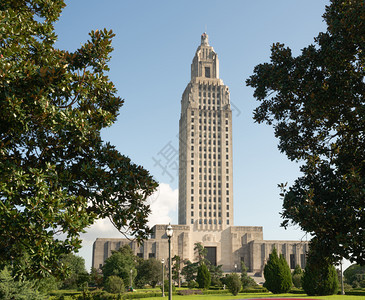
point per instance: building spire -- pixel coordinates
(204, 39)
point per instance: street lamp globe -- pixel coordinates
(169, 231)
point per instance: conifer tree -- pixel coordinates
(203, 276)
(277, 274)
(320, 278)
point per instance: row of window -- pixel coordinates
(207, 156)
(209, 177)
(209, 120)
(209, 114)
(209, 199)
(210, 184)
(209, 163)
(209, 206)
(208, 87)
(210, 214)
(210, 128)
(210, 221)
(205, 192)
(209, 170)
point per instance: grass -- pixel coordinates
(263, 295)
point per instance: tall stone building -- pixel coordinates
(205, 185)
(205, 150)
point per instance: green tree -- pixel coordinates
(216, 274)
(315, 102)
(200, 252)
(120, 264)
(189, 270)
(246, 280)
(76, 272)
(57, 175)
(320, 278)
(96, 279)
(297, 276)
(354, 274)
(17, 289)
(277, 274)
(203, 277)
(114, 284)
(176, 269)
(234, 284)
(148, 272)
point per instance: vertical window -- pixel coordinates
(207, 72)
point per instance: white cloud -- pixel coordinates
(163, 205)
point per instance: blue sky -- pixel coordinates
(154, 45)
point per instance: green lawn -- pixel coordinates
(263, 295)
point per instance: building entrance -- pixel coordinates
(212, 255)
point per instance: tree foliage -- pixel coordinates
(120, 264)
(176, 269)
(76, 273)
(354, 274)
(320, 278)
(234, 284)
(315, 102)
(189, 270)
(114, 284)
(57, 175)
(277, 274)
(246, 280)
(297, 276)
(200, 253)
(15, 289)
(203, 277)
(148, 272)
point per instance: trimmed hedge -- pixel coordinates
(189, 292)
(355, 293)
(254, 290)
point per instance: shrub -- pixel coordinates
(297, 277)
(203, 278)
(233, 283)
(189, 292)
(277, 274)
(13, 289)
(166, 286)
(192, 284)
(114, 284)
(297, 280)
(320, 279)
(246, 280)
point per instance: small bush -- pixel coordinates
(297, 280)
(189, 292)
(192, 284)
(234, 283)
(256, 290)
(166, 287)
(114, 285)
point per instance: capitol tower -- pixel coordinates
(205, 146)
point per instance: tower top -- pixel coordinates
(204, 39)
(205, 62)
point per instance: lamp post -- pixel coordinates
(169, 233)
(163, 277)
(131, 279)
(342, 288)
(235, 268)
